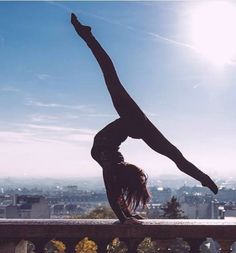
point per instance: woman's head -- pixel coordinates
(133, 184)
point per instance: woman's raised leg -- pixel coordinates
(123, 103)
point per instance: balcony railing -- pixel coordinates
(102, 232)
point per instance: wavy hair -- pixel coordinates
(133, 183)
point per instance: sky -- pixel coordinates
(53, 99)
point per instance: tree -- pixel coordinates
(100, 212)
(172, 210)
(55, 246)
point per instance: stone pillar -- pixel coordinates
(132, 244)
(21, 247)
(102, 246)
(163, 245)
(70, 244)
(40, 245)
(195, 244)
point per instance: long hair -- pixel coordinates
(133, 183)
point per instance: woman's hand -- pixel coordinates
(132, 221)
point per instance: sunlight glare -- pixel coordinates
(213, 31)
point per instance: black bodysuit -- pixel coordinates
(106, 143)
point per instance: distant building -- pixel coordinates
(33, 207)
(160, 194)
(154, 211)
(58, 209)
(9, 211)
(197, 211)
(26, 207)
(226, 195)
(197, 206)
(72, 188)
(230, 210)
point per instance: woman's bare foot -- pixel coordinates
(82, 30)
(208, 182)
(191, 170)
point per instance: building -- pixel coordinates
(9, 211)
(198, 206)
(33, 207)
(25, 207)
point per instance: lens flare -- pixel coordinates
(213, 31)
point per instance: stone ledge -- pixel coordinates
(105, 229)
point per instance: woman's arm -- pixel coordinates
(113, 196)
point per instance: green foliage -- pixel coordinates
(86, 246)
(147, 246)
(172, 210)
(55, 246)
(100, 212)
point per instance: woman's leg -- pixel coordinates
(123, 103)
(156, 140)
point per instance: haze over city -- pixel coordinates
(53, 98)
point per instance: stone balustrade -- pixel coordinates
(70, 231)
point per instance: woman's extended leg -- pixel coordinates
(123, 103)
(155, 140)
(139, 125)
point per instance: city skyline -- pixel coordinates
(53, 98)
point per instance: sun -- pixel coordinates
(213, 31)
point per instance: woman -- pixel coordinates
(125, 183)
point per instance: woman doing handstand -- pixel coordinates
(125, 183)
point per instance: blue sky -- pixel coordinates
(53, 99)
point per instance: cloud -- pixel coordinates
(43, 118)
(109, 115)
(9, 89)
(61, 6)
(232, 62)
(155, 35)
(151, 114)
(42, 76)
(59, 133)
(196, 85)
(171, 41)
(22, 153)
(84, 108)
(116, 22)
(60, 128)
(37, 133)
(14, 136)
